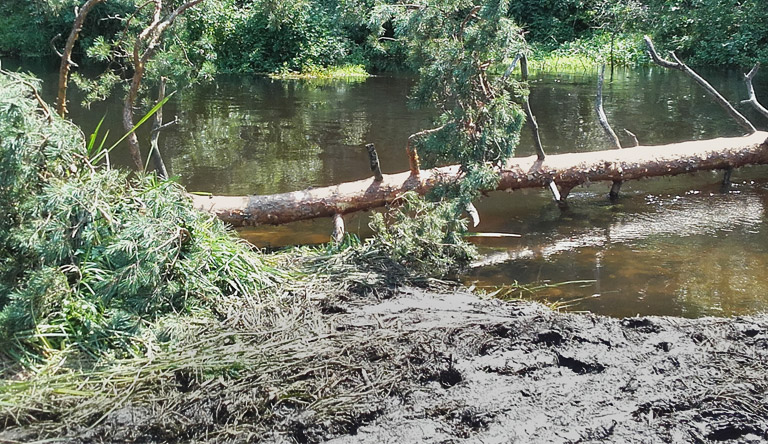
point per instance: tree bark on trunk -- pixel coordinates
(568, 170)
(66, 61)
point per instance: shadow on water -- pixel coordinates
(673, 246)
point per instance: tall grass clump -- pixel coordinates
(91, 260)
(585, 53)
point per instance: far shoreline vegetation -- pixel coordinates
(349, 38)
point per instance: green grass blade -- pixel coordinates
(92, 139)
(135, 127)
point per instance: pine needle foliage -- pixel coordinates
(454, 44)
(90, 258)
(422, 237)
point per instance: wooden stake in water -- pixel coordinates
(338, 228)
(373, 157)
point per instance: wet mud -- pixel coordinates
(450, 367)
(496, 372)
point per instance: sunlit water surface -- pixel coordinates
(670, 246)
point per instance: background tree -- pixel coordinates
(712, 32)
(131, 56)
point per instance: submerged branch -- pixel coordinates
(751, 91)
(530, 118)
(713, 93)
(601, 117)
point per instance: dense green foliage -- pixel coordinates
(422, 237)
(279, 36)
(454, 44)
(712, 32)
(88, 256)
(214, 36)
(271, 36)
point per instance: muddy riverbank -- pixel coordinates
(499, 372)
(449, 367)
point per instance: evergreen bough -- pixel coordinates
(458, 48)
(91, 259)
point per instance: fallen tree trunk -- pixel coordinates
(567, 170)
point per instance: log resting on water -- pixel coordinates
(567, 170)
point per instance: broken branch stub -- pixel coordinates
(373, 158)
(338, 228)
(473, 214)
(713, 93)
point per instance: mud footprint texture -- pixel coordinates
(421, 366)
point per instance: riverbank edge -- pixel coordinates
(449, 366)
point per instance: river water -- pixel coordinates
(670, 246)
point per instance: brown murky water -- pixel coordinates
(673, 246)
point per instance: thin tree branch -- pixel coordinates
(53, 45)
(46, 111)
(66, 62)
(751, 91)
(609, 133)
(716, 96)
(157, 126)
(633, 136)
(511, 67)
(531, 119)
(472, 14)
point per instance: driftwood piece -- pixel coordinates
(716, 96)
(601, 117)
(568, 170)
(751, 91)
